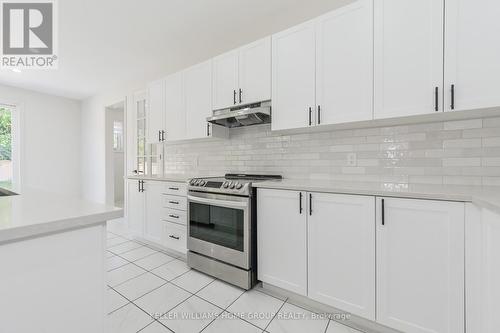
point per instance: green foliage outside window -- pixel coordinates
(5, 134)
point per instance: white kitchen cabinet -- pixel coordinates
(420, 265)
(282, 239)
(341, 252)
(242, 76)
(175, 114)
(408, 57)
(472, 51)
(254, 74)
(135, 208)
(198, 99)
(153, 226)
(344, 64)
(156, 111)
(225, 80)
(293, 77)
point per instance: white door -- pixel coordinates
(225, 80)
(198, 99)
(293, 77)
(154, 226)
(155, 111)
(135, 208)
(408, 57)
(472, 52)
(175, 114)
(341, 256)
(344, 64)
(420, 265)
(255, 72)
(282, 239)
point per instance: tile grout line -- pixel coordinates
(282, 305)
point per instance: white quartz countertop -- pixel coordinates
(177, 178)
(487, 197)
(34, 213)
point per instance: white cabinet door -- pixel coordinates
(198, 99)
(153, 228)
(155, 111)
(175, 115)
(344, 64)
(420, 265)
(135, 208)
(472, 54)
(408, 57)
(225, 80)
(282, 239)
(341, 252)
(293, 77)
(255, 72)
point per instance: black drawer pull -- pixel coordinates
(174, 188)
(174, 237)
(174, 202)
(174, 216)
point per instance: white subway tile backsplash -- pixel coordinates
(465, 152)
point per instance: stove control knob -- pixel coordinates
(198, 181)
(225, 185)
(192, 181)
(233, 185)
(238, 186)
(202, 182)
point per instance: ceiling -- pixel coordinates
(113, 43)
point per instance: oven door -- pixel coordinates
(219, 227)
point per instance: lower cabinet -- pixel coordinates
(135, 208)
(150, 214)
(399, 262)
(341, 256)
(282, 239)
(420, 265)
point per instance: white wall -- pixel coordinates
(50, 140)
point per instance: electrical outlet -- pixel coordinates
(352, 159)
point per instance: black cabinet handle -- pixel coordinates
(300, 202)
(139, 186)
(452, 106)
(310, 204)
(436, 99)
(174, 237)
(159, 136)
(241, 91)
(143, 186)
(208, 129)
(234, 96)
(383, 212)
(174, 188)
(174, 216)
(174, 202)
(162, 135)
(319, 114)
(310, 116)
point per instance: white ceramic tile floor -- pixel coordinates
(159, 294)
(115, 262)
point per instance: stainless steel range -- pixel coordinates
(222, 227)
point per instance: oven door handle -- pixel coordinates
(217, 202)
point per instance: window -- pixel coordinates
(7, 148)
(148, 161)
(117, 136)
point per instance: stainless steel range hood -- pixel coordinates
(253, 114)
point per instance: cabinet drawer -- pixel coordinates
(176, 237)
(175, 188)
(175, 202)
(174, 215)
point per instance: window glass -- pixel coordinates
(6, 164)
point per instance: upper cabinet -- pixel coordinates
(344, 64)
(242, 76)
(293, 77)
(155, 112)
(175, 117)
(408, 57)
(472, 53)
(198, 99)
(322, 70)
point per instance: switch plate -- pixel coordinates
(352, 159)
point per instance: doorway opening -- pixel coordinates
(115, 154)
(9, 147)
